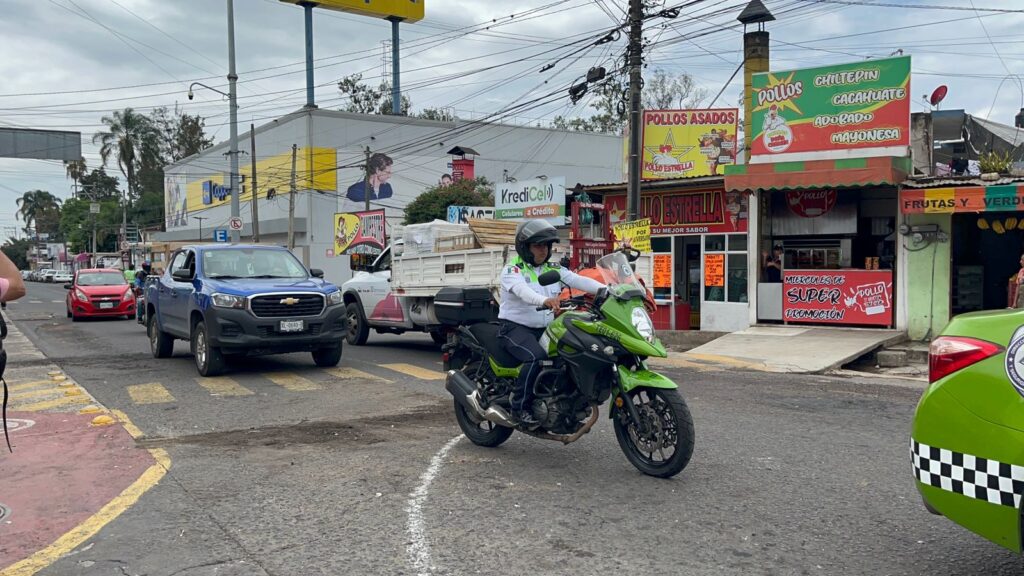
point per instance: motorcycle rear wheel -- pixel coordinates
(669, 426)
(485, 433)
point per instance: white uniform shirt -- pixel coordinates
(521, 293)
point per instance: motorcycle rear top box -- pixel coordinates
(459, 306)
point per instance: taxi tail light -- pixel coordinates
(949, 354)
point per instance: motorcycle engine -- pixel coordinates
(556, 415)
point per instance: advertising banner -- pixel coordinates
(176, 209)
(696, 212)
(686, 143)
(637, 233)
(662, 270)
(860, 109)
(856, 297)
(1007, 198)
(714, 270)
(359, 233)
(537, 198)
(461, 214)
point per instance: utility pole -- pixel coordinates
(252, 186)
(201, 218)
(291, 202)
(635, 80)
(233, 106)
(366, 180)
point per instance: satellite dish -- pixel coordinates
(938, 95)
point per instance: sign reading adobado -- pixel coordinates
(860, 109)
(529, 199)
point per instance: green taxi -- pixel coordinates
(967, 440)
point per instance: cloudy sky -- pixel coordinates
(67, 63)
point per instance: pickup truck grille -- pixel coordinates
(274, 306)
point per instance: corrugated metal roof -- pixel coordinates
(944, 182)
(692, 181)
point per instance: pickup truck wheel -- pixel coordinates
(160, 343)
(327, 357)
(209, 360)
(358, 330)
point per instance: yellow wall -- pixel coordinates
(274, 172)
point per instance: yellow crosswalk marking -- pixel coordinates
(415, 371)
(49, 404)
(27, 385)
(292, 382)
(345, 373)
(153, 393)
(35, 393)
(224, 386)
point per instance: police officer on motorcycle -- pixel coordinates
(522, 323)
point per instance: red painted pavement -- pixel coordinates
(62, 472)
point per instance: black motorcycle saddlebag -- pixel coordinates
(457, 306)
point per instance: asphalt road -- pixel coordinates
(285, 469)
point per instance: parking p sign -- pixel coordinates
(220, 234)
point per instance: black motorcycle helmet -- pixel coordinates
(534, 232)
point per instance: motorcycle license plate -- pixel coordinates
(292, 326)
(106, 304)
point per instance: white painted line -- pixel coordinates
(419, 548)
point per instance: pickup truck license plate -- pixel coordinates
(106, 304)
(292, 326)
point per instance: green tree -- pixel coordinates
(17, 251)
(611, 111)
(439, 114)
(76, 224)
(433, 203)
(98, 185)
(364, 99)
(75, 170)
(33, 207)
(133, 140)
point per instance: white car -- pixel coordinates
(48, 276)
(62, 277)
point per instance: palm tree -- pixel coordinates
(75, 169)
(35, 203)
(134, 138)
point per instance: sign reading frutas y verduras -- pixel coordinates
(528, 199)
(859, 297)
(637, 233)
(359, 232)
(685, 143)
(842, 111)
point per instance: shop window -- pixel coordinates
(725, 268)
(714, 243)
(661, 245)
(737, 243)
(736, 280)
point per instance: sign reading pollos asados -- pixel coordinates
(214, 192)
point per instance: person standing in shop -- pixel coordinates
(772, 271)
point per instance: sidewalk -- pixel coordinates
(74, 466)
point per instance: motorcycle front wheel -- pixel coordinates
(662, 443)
(484, 433)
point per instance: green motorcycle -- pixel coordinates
(597, 351)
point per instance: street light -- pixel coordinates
(233, 109)
(201, 218)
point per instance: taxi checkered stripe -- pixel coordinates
(980, 478)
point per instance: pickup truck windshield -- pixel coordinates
(236, 263)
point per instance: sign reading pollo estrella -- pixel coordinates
(827, 112)
(685, 143)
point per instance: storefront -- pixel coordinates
(699, 241)
(826, 240)
(964, 245)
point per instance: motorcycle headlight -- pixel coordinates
(228, 301)
(642, 323)
(334, 298)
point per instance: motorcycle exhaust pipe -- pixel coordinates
(465, 392)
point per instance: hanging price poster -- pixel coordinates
(662, 270)
(714, 270)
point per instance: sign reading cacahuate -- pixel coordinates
(686, 143)
(821, 113)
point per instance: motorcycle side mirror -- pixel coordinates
(548, 278)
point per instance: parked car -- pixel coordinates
(49, 275)
(243, 300)
(63, 276)
(99, 292)
(26, 274)
(967, 444)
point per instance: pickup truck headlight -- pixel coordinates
(334, 298)
(228, 301)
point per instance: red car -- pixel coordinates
(99, 292)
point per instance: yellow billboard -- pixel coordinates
(687, 143)
(315, 170)
(405, 10)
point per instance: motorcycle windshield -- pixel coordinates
(615, 269)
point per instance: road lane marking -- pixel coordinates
(50, 404)
(15, 396)
(92, 525)
(27, 385)
(419, 548)
(224, 386)
(57, 301)
(415, 371)
(292, 382)
(345, 373)
(152, 393)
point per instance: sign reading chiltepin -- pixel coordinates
(529, 199)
